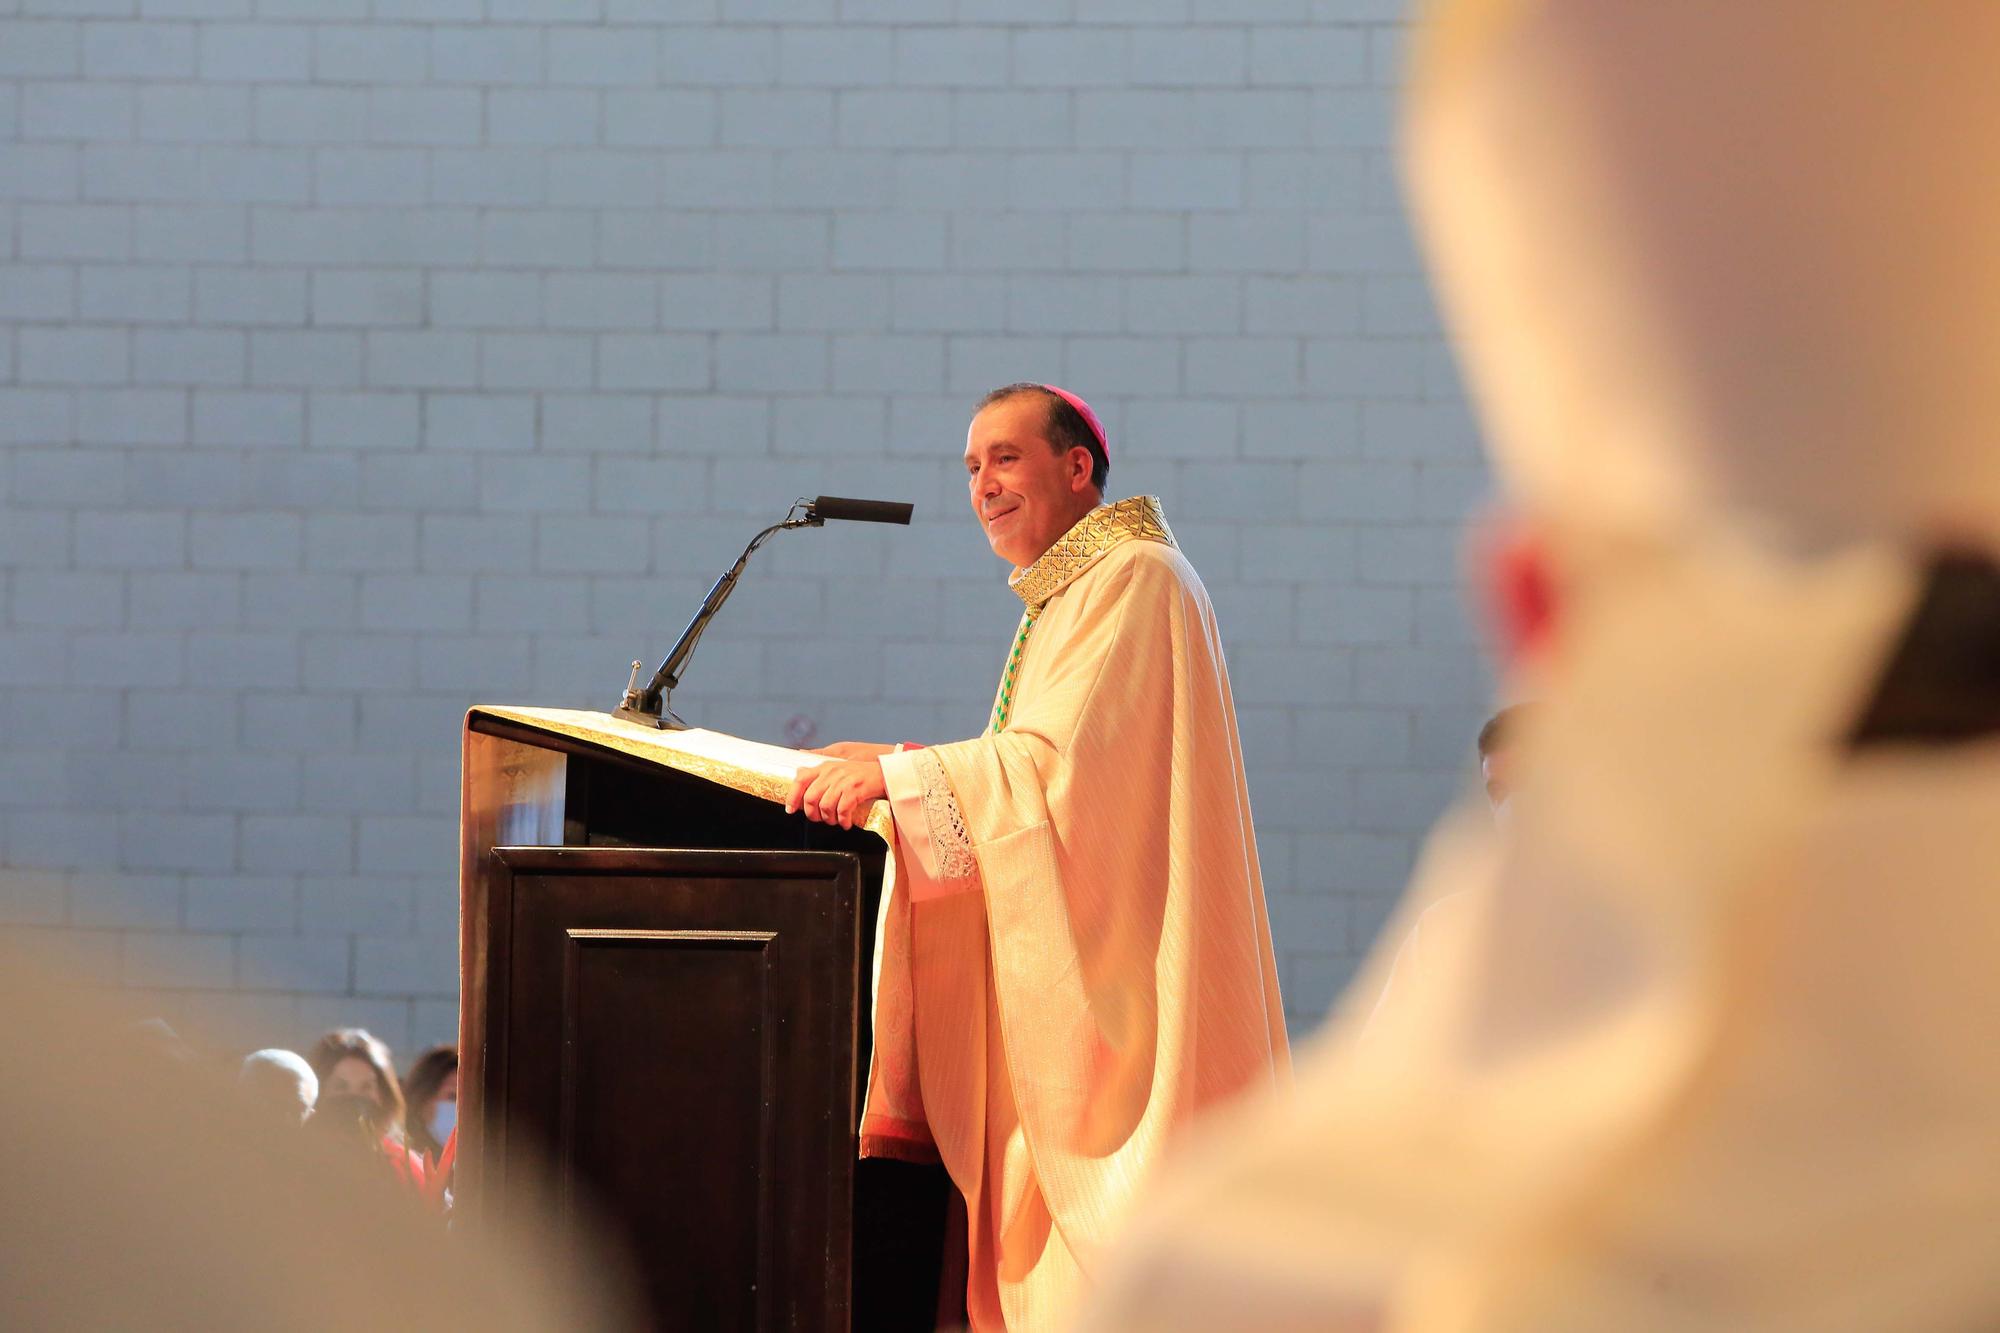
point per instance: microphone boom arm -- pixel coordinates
(650, 706)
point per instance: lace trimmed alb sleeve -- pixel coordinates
(951, 847)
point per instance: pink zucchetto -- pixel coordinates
(1089, 417)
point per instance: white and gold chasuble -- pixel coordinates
(1077, 958)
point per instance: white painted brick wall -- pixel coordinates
(361, 361)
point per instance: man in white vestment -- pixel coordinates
(1715, 1046)
(1076, 961)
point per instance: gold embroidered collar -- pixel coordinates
(1138, 518)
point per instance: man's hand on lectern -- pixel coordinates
(837, 792)
(853, 750)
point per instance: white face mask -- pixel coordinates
(444, 1118)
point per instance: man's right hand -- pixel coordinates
(853, 750)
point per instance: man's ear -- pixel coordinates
(1515, 576)
(1080, 467)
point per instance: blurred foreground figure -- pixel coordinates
(1715, 1048)
(137, 1192)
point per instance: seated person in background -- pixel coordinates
(357, 1075)
(156, 1037)
(1438, 926)
(430, 1094)
(1499, 756)
(281, 1082)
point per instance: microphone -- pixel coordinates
(648, 704)
(856, 511)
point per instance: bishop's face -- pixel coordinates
(1024, 493)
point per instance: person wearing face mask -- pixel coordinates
(360, 1099)
(1715, 1046)
(431, 1092)
(1082, 963)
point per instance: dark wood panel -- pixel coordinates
(608, 1006)
(655, 1022)
(613, 800)
(680, 1033)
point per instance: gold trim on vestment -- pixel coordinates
(1137, 518)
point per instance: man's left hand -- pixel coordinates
(837, 792)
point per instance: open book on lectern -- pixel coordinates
(751, 767)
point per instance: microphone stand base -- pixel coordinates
(660, 717)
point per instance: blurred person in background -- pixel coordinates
(360, 1099)
(157, 1038)
(354, 1062)
(431, 1095)
(1500, 770)
(1715, 1046)
(280, 1081)
(1437, 927)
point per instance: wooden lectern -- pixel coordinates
(664, 1028)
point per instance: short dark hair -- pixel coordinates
(1066, 427)
(1501, 728)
